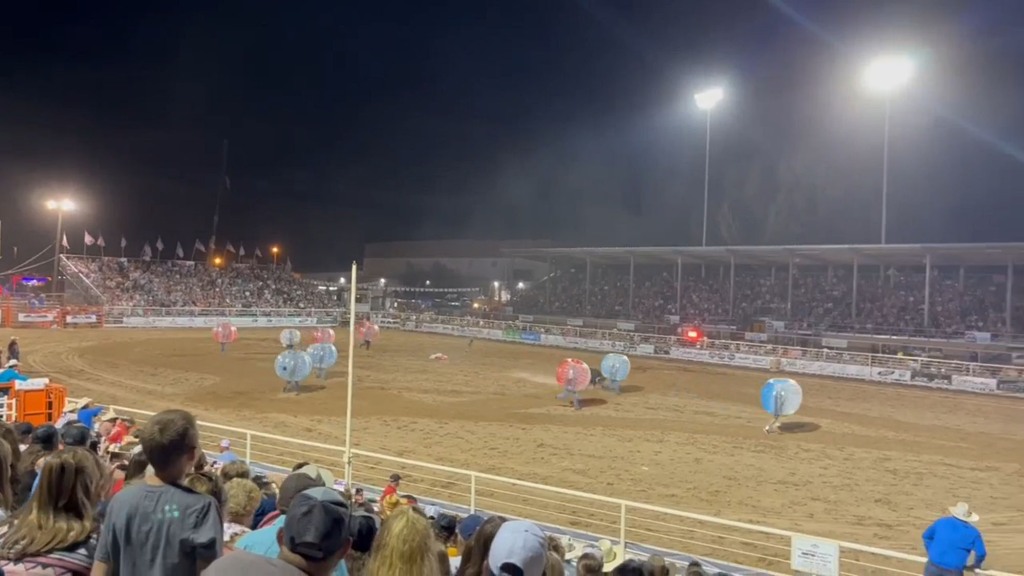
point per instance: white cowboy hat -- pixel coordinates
(962, 511)
(12, 364)
(612, 555)
(72, 404)
(573, 549)
(109, 415)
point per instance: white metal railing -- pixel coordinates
(184, 312)
(764, 548)
(926, 365)
(69, 267)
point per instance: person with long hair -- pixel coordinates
(475, 552)
(45, 441)
(6, 490)
(9, 436)
(57, 529)
(405, 545)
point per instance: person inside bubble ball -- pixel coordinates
(567, 393)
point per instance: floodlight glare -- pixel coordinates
(888, 74)
(708, 99)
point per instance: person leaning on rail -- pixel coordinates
(950, 540)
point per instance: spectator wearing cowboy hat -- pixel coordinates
(11, 372)
(611, 556)
(950, 540)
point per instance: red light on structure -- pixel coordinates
(692, 335)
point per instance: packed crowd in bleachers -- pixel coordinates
(185, 284)
(99, 494)
(819, 299)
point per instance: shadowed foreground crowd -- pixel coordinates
(187, 284)
(819, 299)
(99, 495)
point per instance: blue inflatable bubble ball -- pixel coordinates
(293, 365)
(290, 337)
(781, 397)
(323, 355)
(615, 367)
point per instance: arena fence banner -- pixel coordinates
(834, 343)
(1014, 385)
(975, 384)
(978, 337)
(35, 317)
(211, 321)
(81, 319)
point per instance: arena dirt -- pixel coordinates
(863, 463)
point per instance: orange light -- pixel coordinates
(692, 334)
(273, 249)
(217, 261)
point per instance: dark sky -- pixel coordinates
(571, 120)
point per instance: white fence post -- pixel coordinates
(472, 493)
(622, 523)
(248, 447)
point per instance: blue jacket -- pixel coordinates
(949, 542)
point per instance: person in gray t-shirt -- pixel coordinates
(159, 527)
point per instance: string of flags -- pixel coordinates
(149, 252)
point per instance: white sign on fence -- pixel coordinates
(81, 319)
(814, 556)
(35, 317)
(211, 321)
(975, 384)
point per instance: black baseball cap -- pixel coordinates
(364, 530)
(316, 526)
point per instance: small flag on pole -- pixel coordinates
(89, 240)
(258, 254)
(159, 244)
(123, 244)
(231, 248)
(64, 242)
(100, 242)
(241, 250)
(199, 246)
(147, 252)
(213, 243)
(179, 251)
(288, 264)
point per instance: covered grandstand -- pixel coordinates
(784, 260)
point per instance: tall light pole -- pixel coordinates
(706, 101)
(274, 251)
(885, 76)
(60, 206)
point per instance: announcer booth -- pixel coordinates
(36, 400)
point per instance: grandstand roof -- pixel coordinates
(998, 254)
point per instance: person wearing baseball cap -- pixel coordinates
(313, 541)
(519, 549)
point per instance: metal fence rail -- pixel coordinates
(764, 548)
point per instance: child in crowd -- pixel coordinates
(158, 526)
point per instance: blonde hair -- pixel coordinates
(555, 566)
(206, 483)
(242, 499)
(405, 545)
(61, 512)
(233, 470)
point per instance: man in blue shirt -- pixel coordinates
(950, 540)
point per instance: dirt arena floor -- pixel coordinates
(864, 463)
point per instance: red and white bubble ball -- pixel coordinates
(323, 335)
(573, 374)
(368, 331)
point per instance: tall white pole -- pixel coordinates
(885, 169)
(707, 167)
(351, 367)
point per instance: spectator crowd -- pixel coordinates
(187, 284)
(100, 495)
(820, 299)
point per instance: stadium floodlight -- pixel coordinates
(887, 75)
(383, 281)
(273, 251)
(428, 282)
(59, 206)
(341, 280)
(521, 285)
(706, 101)
(496, 283)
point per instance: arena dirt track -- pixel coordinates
(866, 463)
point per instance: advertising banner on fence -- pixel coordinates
(211, 321)
(35, 317)
(81, 319)
(531, 337)
(646, 349)
(834, 343)
(628, 326)
(755, 336)
(825, 368)
(978, 337)
(574, 322)
(889, 375)
(716, 357)
(525, 318)
(975, 384)
(1010, 385)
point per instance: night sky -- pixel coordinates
(569, 120)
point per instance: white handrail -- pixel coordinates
(621, 503)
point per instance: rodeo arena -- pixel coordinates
(743, 411)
